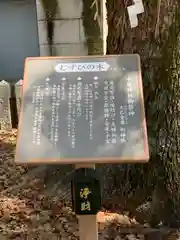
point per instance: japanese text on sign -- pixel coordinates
(84, 193)
(89, 108)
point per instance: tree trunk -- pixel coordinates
(50, 9)
(156, 39)
(91, 22)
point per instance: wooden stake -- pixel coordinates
(88, 226)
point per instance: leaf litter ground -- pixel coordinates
(28, 212)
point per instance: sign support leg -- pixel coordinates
(88, 226)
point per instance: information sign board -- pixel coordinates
(82, 110)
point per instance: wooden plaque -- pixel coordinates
(5, 112)
(18, 90)
(82, 110)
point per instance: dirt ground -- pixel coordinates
(26, 212)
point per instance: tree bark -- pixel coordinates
(91, 22)
(156, 40)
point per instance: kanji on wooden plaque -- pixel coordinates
(82, 110)
(18, 90)
(5, 112)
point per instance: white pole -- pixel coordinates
(104, 25)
